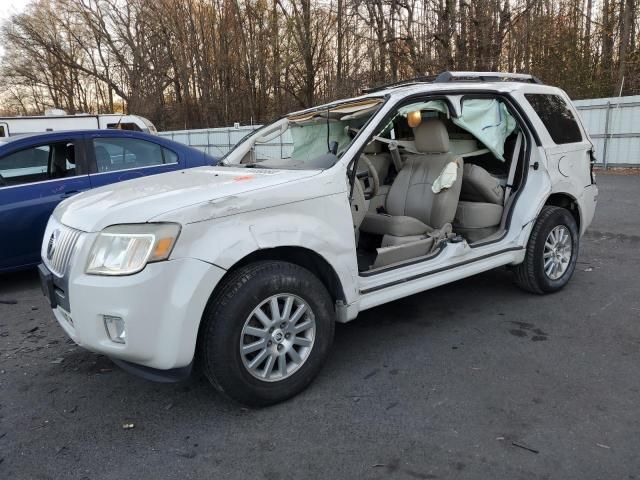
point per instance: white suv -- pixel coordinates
(244, 268)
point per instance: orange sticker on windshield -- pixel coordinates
(242, 178)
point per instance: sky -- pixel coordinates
(8, 8)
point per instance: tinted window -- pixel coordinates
(556, 116)
(123, 153)
(36, 164)
(2, 131)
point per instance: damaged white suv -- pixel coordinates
(245, 267)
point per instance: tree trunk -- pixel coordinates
(624, 43)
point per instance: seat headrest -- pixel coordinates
(478, 185)
(71, 154)
(373, 147)
(431, 136)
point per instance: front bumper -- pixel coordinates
(162, 307)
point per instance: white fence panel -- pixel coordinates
(218, 141)
(614, 126)
(214, 141)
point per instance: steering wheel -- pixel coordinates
(372, 175)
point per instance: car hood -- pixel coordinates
(142, 199)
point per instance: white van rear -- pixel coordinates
(10, 126)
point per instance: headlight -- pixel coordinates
(126, 249)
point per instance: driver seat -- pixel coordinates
(413, 209)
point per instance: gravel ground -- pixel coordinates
(471, 380)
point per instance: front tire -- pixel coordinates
(266, 332)
(552, 252)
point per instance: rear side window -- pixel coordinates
(114, 154)
(556, 117)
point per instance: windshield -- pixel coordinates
(312, 139)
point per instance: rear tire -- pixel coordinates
(552, 252)
(249, 356)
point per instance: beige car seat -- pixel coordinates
(479, 213)
(412, 207)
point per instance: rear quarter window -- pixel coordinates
(169, 155)
(556, 117)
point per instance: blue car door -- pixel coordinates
(117, 158)
(33, 180)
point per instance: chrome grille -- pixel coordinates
(58, 248)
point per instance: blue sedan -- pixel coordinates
(39, 171)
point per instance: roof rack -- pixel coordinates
(486, 77)
(447, 76)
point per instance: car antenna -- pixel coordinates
(118, 124)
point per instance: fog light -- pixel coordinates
(115, 328)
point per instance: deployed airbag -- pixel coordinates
(489, 121)
(447, 177)
(310, 139)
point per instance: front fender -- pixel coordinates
(322, 225)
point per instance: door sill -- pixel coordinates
(445, 268)
(403, 264)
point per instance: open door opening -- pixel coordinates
(438, 178)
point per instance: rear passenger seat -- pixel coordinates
(480, 209)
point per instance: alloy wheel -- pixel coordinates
(277, 337)
(557, 252)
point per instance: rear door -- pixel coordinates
(33, 180)
(118, 158)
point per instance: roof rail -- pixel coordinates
(447, 76)
(411, 81)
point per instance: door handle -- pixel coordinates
(70, 193)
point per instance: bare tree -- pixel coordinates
(193, 63)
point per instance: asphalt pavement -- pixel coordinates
(474, 380)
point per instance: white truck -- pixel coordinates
(56, 120)
(244, 268)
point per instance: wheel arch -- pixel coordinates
(300, 256)
(568, 201)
